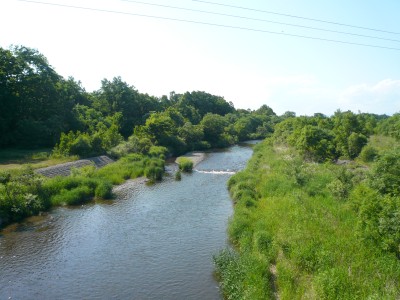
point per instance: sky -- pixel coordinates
(305, 56)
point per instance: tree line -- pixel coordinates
(40, 108)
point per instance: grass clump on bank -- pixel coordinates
(185, 164)
(307, 230)
(75, 189)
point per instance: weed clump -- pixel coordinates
(185, 164)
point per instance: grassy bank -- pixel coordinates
(24, 193)
(298, 233)
(14, 158)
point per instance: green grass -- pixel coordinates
(185, 164)
(382, 143)
(17, 156)
(14, 158)
(293, 236)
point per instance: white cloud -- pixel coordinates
(306, 97)
(252, 90)
(380, 98)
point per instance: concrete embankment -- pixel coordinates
(65, 169)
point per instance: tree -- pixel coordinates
(191, 134)
(214, 127)
(385, 175)
(206, 103)
(161, 129)
(117, 96)
(36, 102)
(265, 110)
(316, 143)
(356, 142)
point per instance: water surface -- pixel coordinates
(156, 242)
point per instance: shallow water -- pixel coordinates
(156, 242)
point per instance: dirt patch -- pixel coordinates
(125, 190)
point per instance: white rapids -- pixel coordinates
(215, 171)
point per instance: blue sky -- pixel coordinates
(249, 68)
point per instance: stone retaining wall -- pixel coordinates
(65, 169)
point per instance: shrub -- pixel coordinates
(368, 154)
(356, 142)
(185, 164)
(385, 175)
(103, 190)
(19, 195)
(158, 151)
(153, 173)
(178, 175)
(75, 196)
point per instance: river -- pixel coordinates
(155, 242)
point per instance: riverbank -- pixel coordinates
(298, 236)
(124, 190)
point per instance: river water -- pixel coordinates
(155, 242)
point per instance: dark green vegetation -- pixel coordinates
(42, 109)
(305, 227)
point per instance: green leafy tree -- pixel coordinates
(161, 129)
(316, 143)
(206, 103)
(356, 142)
(36, 102)
(214, 127)
(191, 134)
(385, 176)
(117, 96)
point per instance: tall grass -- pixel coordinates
(295, 237)
(185, 164)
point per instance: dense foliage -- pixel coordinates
(42, 109)
(321, 138)
(304, 229)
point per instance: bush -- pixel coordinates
(178, 175)
(185, 164)
(19, 195)
(75, 196)
(368, 154)
(385, 175)
(153, 173)
(158, 151)
(103, 190)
